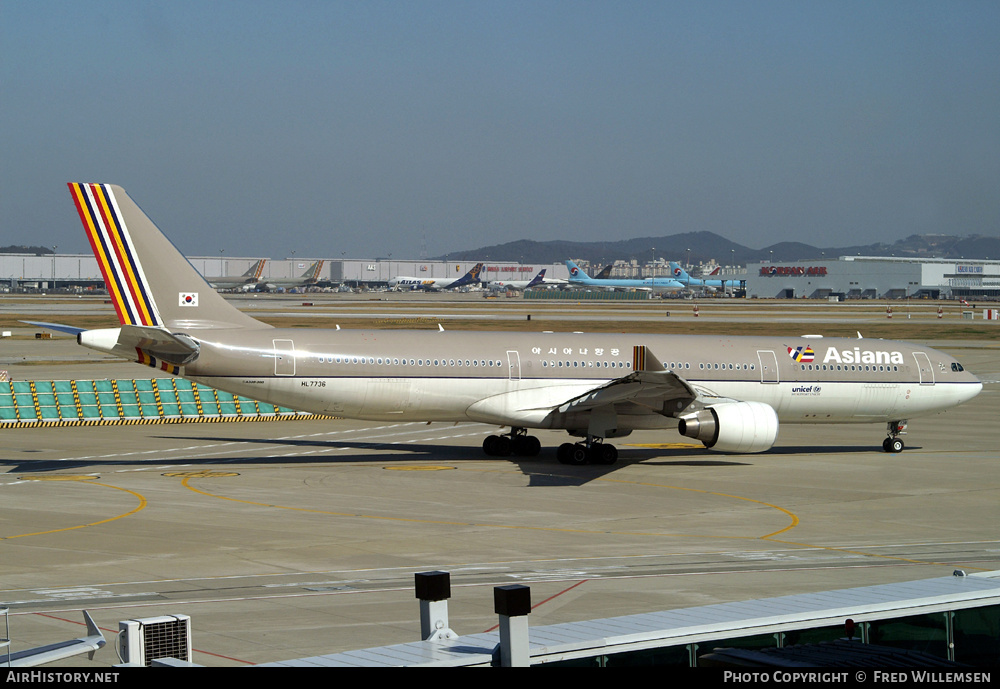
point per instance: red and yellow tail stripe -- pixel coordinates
(112, 246)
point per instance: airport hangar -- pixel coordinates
(30, 271)
(871, 277)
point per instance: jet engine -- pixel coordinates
(732, 426)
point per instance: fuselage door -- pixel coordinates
(924, 368)
(284, 357)
(513, 365)
(768, 366)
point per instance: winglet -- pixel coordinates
(93, 631)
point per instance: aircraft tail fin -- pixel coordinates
(254, 271)
(606, 273)
(470, 278)
(538, 279)
(150, 282)
(576, 272)
(314, 270)
(678, 272)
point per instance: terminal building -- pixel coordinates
(869, 277)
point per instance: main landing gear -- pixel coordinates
(517, 442)
(894, 443)
(593, 451)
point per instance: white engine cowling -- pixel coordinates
(733, 427)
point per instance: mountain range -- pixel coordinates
(705, 247)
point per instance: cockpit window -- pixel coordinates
(955, 366)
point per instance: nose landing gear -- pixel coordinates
(894, 429)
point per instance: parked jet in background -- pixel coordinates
(470, 278)
(579, 278)
(517, 285)
(307, 279)
(729, 392)
(682, 276)
(247, 280)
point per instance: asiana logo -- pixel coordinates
(802, 355)
(857, 356)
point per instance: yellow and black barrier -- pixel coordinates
(129, 401)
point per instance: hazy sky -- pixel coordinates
(415, 128)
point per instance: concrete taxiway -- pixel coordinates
(301, 538)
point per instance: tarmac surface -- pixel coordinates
(286, 540)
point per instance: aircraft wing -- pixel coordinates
(65, 649)
(648, 385)
(653, 389)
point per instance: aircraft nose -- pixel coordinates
(973, 389)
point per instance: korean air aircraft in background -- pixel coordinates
(577, 277)
(682, 276)
(728, 392)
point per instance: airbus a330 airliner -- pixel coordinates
(727, 392)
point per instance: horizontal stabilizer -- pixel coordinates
(173, 348)
(142, 343)
(59, 327)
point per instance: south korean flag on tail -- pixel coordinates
(188, 299)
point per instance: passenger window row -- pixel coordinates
(871, 368)
(585, 364)
(396, 361)
(727, 367)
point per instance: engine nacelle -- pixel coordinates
(732, 427)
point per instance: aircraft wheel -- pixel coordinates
(577, 455)
(562, 454)
(496, 445)
(605, 454)
(503, 446)
(526, 446)
(569, 453)
(892, 445)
